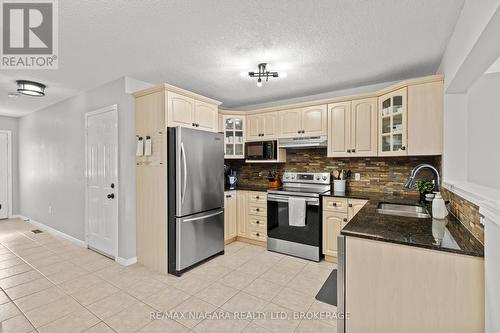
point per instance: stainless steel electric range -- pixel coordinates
(294, 220)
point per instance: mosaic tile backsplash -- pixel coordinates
(378, 174)
(466, 212)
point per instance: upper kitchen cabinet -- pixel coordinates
(314, 120)
(205, 116)
(180, 110)
(234, 133)
(352, 128)
(393, 123)
(364, 127)
(339, 129)
(263, 126)
(289, 123)
(183, 110)
(425, 119)
(309, 121)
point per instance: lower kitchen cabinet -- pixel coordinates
(245, 216)
(230, 216)
(241, 213)
(337, 212)
(399, 288)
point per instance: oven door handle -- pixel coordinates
(284, 198)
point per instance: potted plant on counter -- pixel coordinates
(424, 187)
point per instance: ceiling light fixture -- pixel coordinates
(30, 88)
(262, 73)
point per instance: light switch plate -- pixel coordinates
(357, 176)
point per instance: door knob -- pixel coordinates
(111, 196)
(112, 185)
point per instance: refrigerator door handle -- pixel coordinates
(183, 156)
(203, 217)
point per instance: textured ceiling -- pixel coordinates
(204, 45)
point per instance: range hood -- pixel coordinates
(304, 142)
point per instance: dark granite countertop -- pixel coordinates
(410, 231)
(242, 187)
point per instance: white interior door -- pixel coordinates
(4, 175)
(102, 180)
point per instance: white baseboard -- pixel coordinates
(126, 262)
(52, 231)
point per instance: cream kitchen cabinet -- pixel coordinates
(393, 130)
(205, 116)
(333, 222)
(309, 121)
(250, 216)
(289, 123)
(242, 213)
(234, 136)
(187, 111)
(425, 119)
(262, 126)
(230, 216)
(352, 128)
(337, 212)
(314, 120)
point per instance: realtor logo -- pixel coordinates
(29, 34)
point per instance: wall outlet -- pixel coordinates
(357, 176)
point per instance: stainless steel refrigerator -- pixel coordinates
(195, 197)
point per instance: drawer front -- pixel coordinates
(258, 223)
(257, 197)
(258, 235)
(335, 204)
(257, 210)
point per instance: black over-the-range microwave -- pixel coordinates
(261, 150)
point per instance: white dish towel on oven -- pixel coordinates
(297, 212)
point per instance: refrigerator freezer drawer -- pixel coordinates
(198, 237)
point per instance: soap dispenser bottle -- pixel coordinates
(439, 210)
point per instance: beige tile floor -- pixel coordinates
(48, 284)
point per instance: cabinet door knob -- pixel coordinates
(353, 151)
(257, 209)
(345, 219)
(350, 205)
(257, 222)
(298, 132)
(257, 197)
(403, 148)
(257, 234)
(348, 150)
(193, 124)
(334, 204)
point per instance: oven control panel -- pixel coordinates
(306, 177)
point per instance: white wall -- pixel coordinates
(474, 17)
(483, 131)
(455, 137)
(52, 163)
(11, 124)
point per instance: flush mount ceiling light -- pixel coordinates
(30, 88)
(262, 73)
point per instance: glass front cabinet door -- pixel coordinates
(392, 123)
(234, 145)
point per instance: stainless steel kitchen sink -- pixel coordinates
(402, 210)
